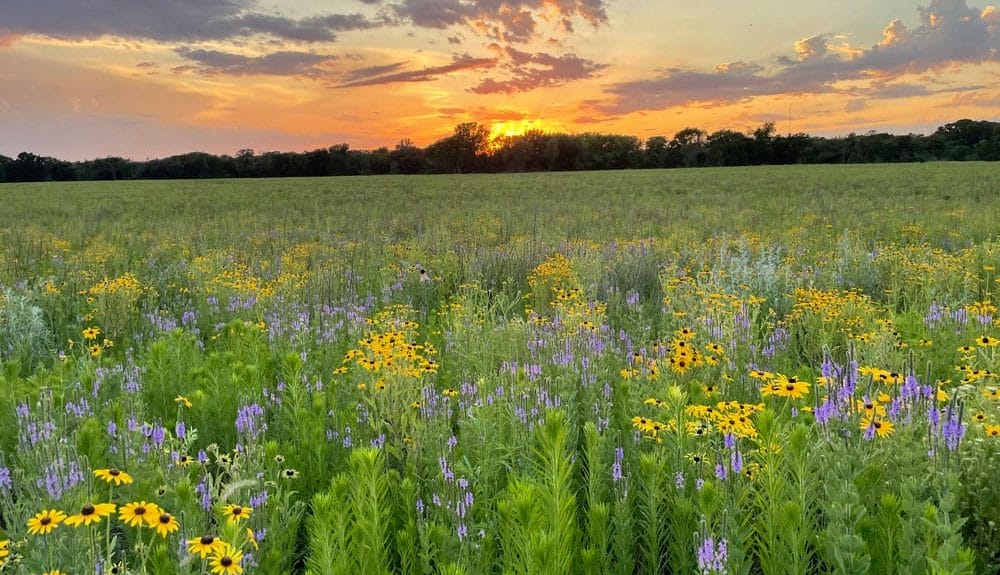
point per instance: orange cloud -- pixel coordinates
(8, 39)
(895, 33)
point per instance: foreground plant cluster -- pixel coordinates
(436, 383)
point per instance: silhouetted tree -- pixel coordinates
(468, 149)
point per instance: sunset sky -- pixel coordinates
(82, 79)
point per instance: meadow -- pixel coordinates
(736, 370)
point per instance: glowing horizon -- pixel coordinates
(170, 77)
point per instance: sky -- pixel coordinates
(82, 79)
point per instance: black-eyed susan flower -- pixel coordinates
(987, 341)
(117, 569)
(226, 560)
(685, 333)
(182, 400)
(992, 431)
(91, 333)
(91, 513)
(880, 427)
(290, 474)
(184, 460)
(4, 550)
(95, 350)
(45, 521)
(236, 513)
(139, 513)
(166, 524)
(112, 475)
(204, 545)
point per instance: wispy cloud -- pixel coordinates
(392, 73)
(529, 71)
(284, 63)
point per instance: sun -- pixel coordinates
(501, 131)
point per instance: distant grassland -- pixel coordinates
(951, 204)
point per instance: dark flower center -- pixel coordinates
(226, 561)
(114, 472)
(45, 520)
(88, 509)
(207, 540)
(237, 511)
(165, 518)
(140, 510)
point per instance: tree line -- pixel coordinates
(469, 149)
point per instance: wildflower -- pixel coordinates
(992, 431)
(4, 551)
(91, 513)
(45, 521)
(166, 524)
(880, 427)
(204, 545)
(987, 341)
(870, 408)
(711, 556)
(91, 333)
(782, 386)
(138, 513)
(252, 538)
(95, 350)
(54, 572)
(113, 475)
(184, 460)
(290, 474)
(236, 513)
(226, 560)
(181, 400)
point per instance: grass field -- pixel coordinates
(754, 370)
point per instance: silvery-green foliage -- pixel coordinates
(23, 333)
